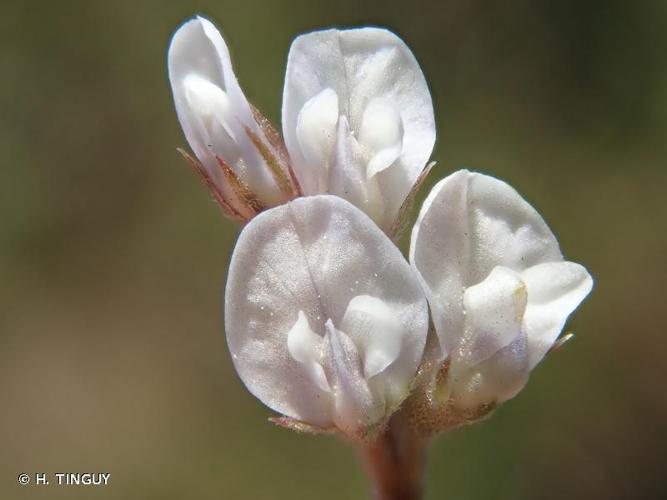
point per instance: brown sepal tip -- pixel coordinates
(240, 188)
(560, 342)
(399, 225)
(213, 189)
(299, 426)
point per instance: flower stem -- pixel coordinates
(395, 462)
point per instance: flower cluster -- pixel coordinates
(327, 322)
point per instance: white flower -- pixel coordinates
(498, 287)
(325, 320)
(240, 156)
(357, 120)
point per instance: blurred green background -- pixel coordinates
(113, 258)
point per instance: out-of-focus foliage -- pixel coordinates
(113, 259)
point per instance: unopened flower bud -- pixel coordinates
(238, 153)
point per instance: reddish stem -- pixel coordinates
(395, 462)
